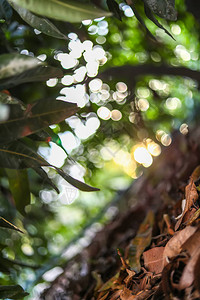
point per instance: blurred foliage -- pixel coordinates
(127, 106)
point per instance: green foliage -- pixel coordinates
(12, 292)
(68, 11)
(30, 107)
(41, 24)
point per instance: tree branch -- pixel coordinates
(129, 72)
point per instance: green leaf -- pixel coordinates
(163, 8)
(45, 177)
(6, 224)
(76, 183)
(38, 116)
(19, 186)
(139, 18)
(15, 64)
(19, 156)
(114, 8)
(41, 24)
(63, 10)
(5, 10)
(12, 292)
(39, 73)
(151, 17)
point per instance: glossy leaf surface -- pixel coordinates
(42, 114)
(41, 24)
(14, 64)
(19, 156)
(19, 186)
(68, 10)
(12, 292)
(39, 73)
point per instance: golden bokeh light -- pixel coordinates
(166, 139)
(116, 115)
(184, 129)
(142, 156)
(104, 113)
(143, 104)
(153, 148)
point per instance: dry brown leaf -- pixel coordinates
(187, 277)
(103, 296)
(196, 173)
(115, 295)
(189, 215)
(192, 243)
(197, 274)
(194, 217)
(174, 246)
(191, 196)
(153, 259)
(126, 294)
(131, 273)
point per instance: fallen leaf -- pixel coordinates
(174, 245)
(131, 273)
(153, 259)
(126, 294)
(194, 217)
(187, 277)
(116, 295)
(197, 274)
(191, 196)
(192, 243)
(103, 296)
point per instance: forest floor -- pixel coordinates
(150, 250)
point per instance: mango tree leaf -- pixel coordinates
(163, 8)
(151, 17)
(139, 18)
(48, 135)
(44, 175)
(12, 292)
(78, 184)
(5, 10)
(39, 73)
(19, 156)
(6, 224)
(41, 24)
(63, 10)
(19, 186)
(42, 114)
(14, 64)
(114, 8)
